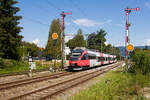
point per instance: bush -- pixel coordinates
(140, 62)
(11, 66)
(1, 63)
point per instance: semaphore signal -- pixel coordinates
(63, 14)
(128, 10)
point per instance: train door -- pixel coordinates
(84, 60)
(101, 58)
(105, 58)
(92, 58)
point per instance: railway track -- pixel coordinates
(21, 82)
(48, 91)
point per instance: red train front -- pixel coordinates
(82, 58)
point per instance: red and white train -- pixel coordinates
(82, 58)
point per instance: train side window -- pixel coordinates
(101, 58)
(84, 57)
(94, 56)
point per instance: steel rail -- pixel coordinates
(31, 80)
(64, 82)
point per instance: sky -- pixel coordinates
(90, 16)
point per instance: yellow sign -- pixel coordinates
(54, 36)
(130, 47)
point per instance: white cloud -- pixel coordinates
(120, 25)
(89, 23)
(106, 43)
(67, 23)
(147, 4)
(67, 38)
(39, 43)
(147, 41)
(36, 41)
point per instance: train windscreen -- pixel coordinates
(76, 54)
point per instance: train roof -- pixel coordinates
(91, 50)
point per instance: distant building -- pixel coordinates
(67, 50)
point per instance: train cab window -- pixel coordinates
(84, 57)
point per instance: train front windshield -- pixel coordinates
(75, 55)
(74, 58)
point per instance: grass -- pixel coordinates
(116, 85)
(12, 66)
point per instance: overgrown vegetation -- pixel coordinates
(116, 85)
(8, 66)
(11, 66)
(140, 62)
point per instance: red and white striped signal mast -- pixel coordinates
(128, 10)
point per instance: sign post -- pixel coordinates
(54, 37)
(30, 60)
(129, 48)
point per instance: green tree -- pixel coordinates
(97, 40)
(146, 47)
(54, 28)
(10, 40)
(77, 41)
(116, 51)
(79, 31)
(30, 48)
(91, 40)
(108, 49)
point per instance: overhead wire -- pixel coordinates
(78, 8)
(59, 9)
(54, 6)
(51, 4)
(84, 14)
(35, 21)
